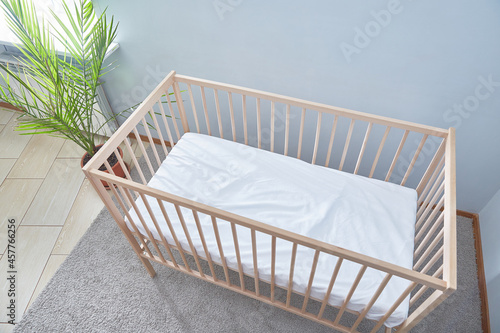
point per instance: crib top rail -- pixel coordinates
(396, 270)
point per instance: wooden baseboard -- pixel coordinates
(144, 138)
(480, 269)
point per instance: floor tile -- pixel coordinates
(50, 268)
(12, 143)
(5, 167)
(56, 195)
(5, 116)
(70, 150)
(85, 209)
(16, 196)
(33, 247)
(37, 157)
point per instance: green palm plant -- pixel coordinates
(57, 92)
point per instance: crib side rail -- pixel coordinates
(313, 106)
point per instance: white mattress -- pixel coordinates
(365, 215)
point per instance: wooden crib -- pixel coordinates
(408, 154)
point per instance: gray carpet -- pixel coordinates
(103, 287)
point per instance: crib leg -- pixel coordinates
(148, 266)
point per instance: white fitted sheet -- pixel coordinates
(364, 215)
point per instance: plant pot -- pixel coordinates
(115, 165)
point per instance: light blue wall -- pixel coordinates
(489, 218)
(422, 61)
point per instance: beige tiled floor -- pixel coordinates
(43, 188)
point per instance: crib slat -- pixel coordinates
(134, 159)
(287, 129)
(172, 116)
(273, 265)
(205, 248)
(141, 218)
(432, 166)
(346, 146)
(429, 195)
(158, 130)
(311, 279)
(316, 139)
(379, 151)
(132, 223)
(145, 155)
(110, 170)
(272, 125)
(231, 112)
(151, 142)
(188, 237)
(428, 250)
(412, 163)
(428, 207)
(396, 156)
(374, 298)
(245, 123)
(165, 123)
(217, 107)
(394, 306)
(424, 288)
(205, 110)
(180, 106)
(363, 147)
(431, 182)
(238, 257)
(351, 292)
(290, 277)
(330, 144)
(194, 108)
(301, 132)
(255, 267)
(430, 218)
(434, 259)
(431, 232)
(124, 197)
(330, 287)
(122, 164)
(158, 230)
(150, 236)
(259, 125)
(172, 232)
(221, 250)
(425, 204)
